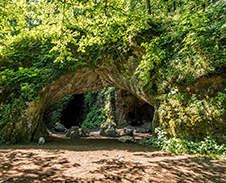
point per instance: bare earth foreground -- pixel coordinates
(103, 160)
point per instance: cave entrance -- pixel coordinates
(67, 112)
(88, 110)
(91, 110)
(131, 111)
(142, 116)
(74, 112)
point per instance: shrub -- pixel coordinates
(2, 140)
(176, 145)
(97, 107)
(94, 119)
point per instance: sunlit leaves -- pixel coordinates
(191, 46)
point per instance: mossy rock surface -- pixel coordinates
(126, 139)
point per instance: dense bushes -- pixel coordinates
(176, 145)
(95, 118)
(191, 45)
(24, 70)
(98, 107)
(1, 140)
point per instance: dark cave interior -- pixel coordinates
(141, 115)
(74, 113)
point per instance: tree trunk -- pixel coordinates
(148, 6)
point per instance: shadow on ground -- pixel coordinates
(82, 145)
(99, 160)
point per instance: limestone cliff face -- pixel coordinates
(86, 80)
(28, 124)
(132, 111)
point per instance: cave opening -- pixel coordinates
(74, 113)
(75, 110)
(69, 111)
(134, 112)
(142, 116)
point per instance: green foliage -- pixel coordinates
(188, 116)
(191, 45)
(176, 145)
(94, 119)
(98, 106)
(41, 40)
(96, 115)
(159, 139)
(90, 100)
(27, 65)
(2, 140)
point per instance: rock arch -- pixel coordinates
(30, 125)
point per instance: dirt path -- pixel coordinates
(103, 160)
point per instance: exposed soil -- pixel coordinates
(103, 160)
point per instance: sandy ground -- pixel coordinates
(103, 160)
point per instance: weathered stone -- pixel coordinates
(59, 128)
(132, 111)
(82, 80)
(119, 132)
(139, 129)
(74, 134)
(41, 141)
(124, 132)
(128, 132)
(51, 117)
(142, 130)
(28, 125)
(83, 132)
(126, 139)
(109, 130)
(110, 125)
(68, 134)
(73, 128)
